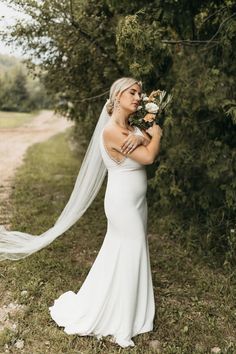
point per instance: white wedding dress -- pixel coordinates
(116, 297)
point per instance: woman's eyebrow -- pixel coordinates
(136, 91)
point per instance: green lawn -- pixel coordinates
(14, 119)
(195, 302)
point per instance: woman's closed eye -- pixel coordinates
(133, 94)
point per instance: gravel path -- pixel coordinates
(13, 146)
(15, 142)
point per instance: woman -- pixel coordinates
(117, 298)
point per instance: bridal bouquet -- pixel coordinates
(152, 108)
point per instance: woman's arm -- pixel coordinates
(152, 149)
(142, 154)
(132, 142)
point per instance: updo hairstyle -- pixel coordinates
(119, 85)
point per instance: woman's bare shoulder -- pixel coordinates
(113, 131)
(109, 128)
(112, 136)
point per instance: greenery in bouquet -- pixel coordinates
(151, 109)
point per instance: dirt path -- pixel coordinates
(14, 143)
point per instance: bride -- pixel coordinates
(120, 278)
(116, 297)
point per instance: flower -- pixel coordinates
(149, 117)
(153, 94)
(152, 107)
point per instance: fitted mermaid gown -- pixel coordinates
(116, 297)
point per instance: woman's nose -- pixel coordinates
(137, 97)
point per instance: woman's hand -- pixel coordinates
(131, 142)
(155, 129)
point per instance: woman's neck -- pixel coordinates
(121, 119)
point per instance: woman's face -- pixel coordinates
(130, 98)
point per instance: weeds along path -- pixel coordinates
(14, 142)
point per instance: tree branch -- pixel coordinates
(220, 27)
(93, 97)
(212, 15)
(93, 41)
(187, 42)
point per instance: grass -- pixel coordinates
(14, 119)
(195, 303)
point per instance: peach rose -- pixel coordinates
(149, 117)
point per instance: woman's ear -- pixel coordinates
(118, 95)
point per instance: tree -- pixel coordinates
(20, 91)
(186, 47)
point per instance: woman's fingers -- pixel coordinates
(132, 149)
(130, 144)
(128, 147)
(127, 144)
(154, 127)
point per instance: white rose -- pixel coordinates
(151, 108)
(145, 98)
(139, 107)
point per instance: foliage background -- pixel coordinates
(20, 91)
(81, 47)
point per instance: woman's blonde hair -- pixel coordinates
(119, 85)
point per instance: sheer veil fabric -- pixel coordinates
(15, 245)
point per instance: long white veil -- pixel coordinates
(15, 245)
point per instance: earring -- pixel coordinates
(117, 105)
